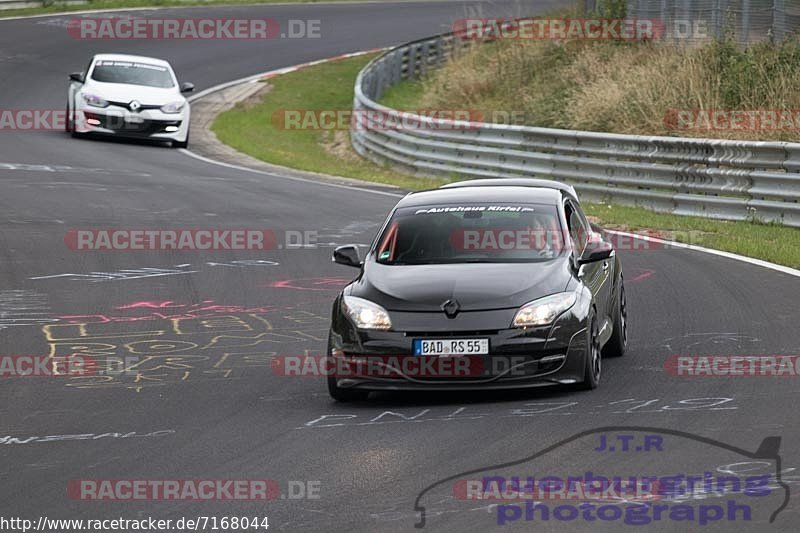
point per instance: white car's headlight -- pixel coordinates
(94, 100)
(365, 314)
(545, 310)
(173, 107)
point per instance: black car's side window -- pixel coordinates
(577, 227)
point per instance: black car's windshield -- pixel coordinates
(474, 233)
(132, 73)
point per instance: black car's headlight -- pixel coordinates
(365, 314)
(544, 311)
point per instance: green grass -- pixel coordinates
(118, 4)
(250, 128)
(404, 95)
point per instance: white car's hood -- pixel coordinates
(118, 92)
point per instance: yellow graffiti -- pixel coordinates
(136, 355)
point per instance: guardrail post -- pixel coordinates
(744, 29)
(778, 20)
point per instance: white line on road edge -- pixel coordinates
(728, 255)
(291, 178)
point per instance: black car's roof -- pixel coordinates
(509, 194)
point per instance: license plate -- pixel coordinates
(133, 119)
(451, 347)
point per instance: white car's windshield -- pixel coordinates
(132, 73)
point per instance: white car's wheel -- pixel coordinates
(181, 144)
(68, 124)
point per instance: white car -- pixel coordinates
(129, 96)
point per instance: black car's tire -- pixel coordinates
(616, 345)
(593, 362)
(345, 395)
(181, 144)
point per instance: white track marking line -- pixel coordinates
(758, 262)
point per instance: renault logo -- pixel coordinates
(134, 105)
(451, 308)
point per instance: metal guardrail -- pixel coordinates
(733, 180)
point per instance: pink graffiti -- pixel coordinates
(310, 284)
(153, 305)
(644, 274)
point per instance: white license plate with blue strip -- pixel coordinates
(451, 347)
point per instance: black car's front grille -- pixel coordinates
(451, 334)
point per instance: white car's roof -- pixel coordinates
(126, 57)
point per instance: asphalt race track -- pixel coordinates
(222, 413)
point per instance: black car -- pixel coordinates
(483, 284)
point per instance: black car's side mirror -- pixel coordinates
(347, 255)
(76, 76)
(597, 250)
(187, 87)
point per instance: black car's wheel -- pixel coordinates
(344, 395)
(594, 360)
(616, 345)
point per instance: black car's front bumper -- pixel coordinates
(518, 357)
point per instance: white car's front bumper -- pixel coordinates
(146, 124)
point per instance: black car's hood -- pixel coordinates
(476, 287)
